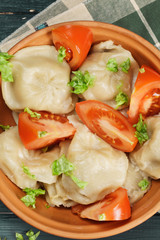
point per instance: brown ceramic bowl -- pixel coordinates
(61, 221)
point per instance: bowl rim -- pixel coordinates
(6, 196)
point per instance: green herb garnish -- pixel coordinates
(47, 206)
(27, 172)
(142, 70)
(42, 134)
(62, 165)
(5, 127)
(121, 99)
(102, 217)
(141, 130)
(30, 198)
(125, 66)
(32, 114)
(80, 82)
(19, 236)
(45, 149)
(30, 234)
(112, 65)
(6, 67)
(143, 184)
(61, 53)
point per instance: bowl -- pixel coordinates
(61, 221)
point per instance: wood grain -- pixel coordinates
(15, 13)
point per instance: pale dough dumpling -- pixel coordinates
(13, 156)
(97, 163)
(147, 157)
(107, 84)
(134, 176)
(40, 81)
(56, 194)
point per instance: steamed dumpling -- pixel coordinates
(134, 176)
(56, 194)
(97, 163)
(147, 157)
(40, 81)
(13, 156)
(107, 84)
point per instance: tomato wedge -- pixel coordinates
(108, 123)
(37, 133)
(145, 98)
(76, 40)
(115, 206)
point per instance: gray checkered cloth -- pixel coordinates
(139, 16)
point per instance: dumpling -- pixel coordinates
(13, 156)
(134, 176)
(108, 84)
(56, 195)
(147, 157)
(40, 81)
(97, 163)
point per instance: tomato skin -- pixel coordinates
(76, 39)
(108, 123)
(115, 206)
(56, 126)
(147, 83)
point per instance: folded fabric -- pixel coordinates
(138, 16)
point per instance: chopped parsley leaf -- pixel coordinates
(62, 165)
(19, 236)
(141, 130)
(121, 99)
(143, 184)
(30, 198)
(102, 217)
(80, 82)
(125, 66)
(5, 127)
(27, 172)
(112, 65)
(47, 206)
(32, 114)
(42, 134)
(61, 53)
(6, 67)
(141, 70)
(31, 236)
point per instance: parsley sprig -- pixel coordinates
(81, 81)
(125, 66)
(30, 234)
(62, 165)
(112, 65)
(31, 113)
(143, 184)
(61, 53)
(141, 130)
(121, 99)
(4, 127)
(30, 198)
(27, 172)
(6, 67)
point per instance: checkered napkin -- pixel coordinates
(139, 16)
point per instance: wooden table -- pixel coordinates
(13, 14)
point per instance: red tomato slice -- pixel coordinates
(37, 133)
(108, 124)
(77, 41)
(145, 98)
(115, 206)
